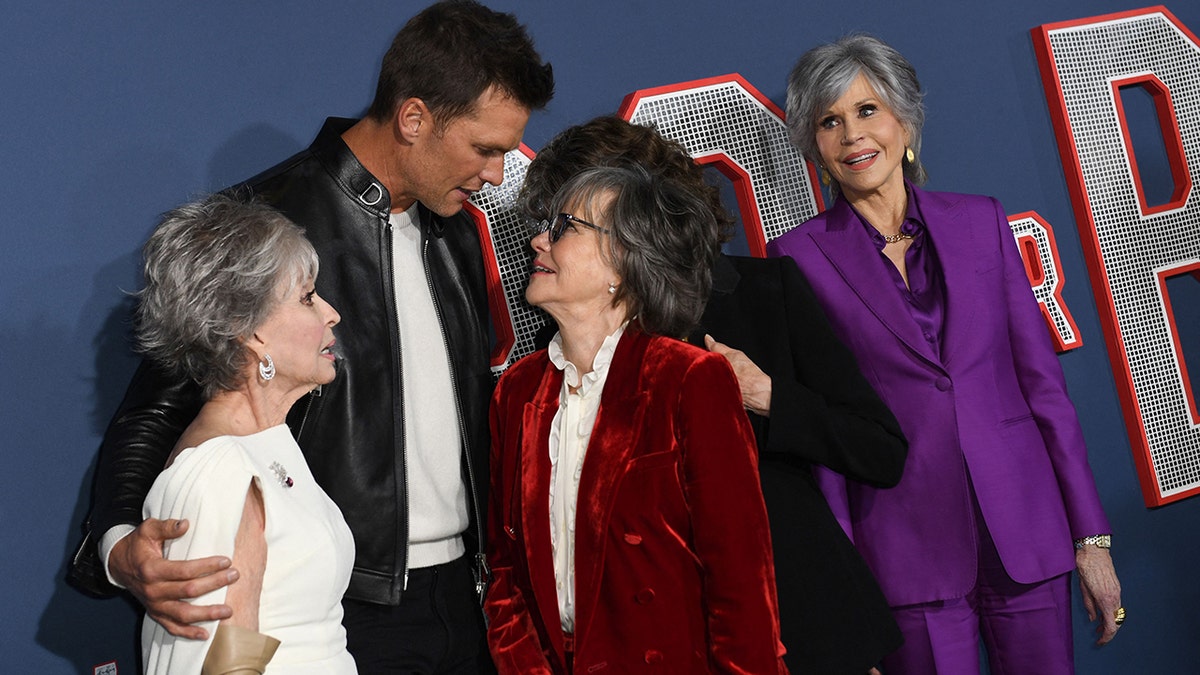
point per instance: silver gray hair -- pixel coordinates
(213, 270)
(663, 240)
(824, 73)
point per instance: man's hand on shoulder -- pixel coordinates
(164, 586)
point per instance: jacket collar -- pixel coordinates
(354, 179)
(847, 246)
(359, 184)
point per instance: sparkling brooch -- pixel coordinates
(281, 473)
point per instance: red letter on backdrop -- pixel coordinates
(1035, 240)
(1132, 247)
(725, 122)
(506, 256)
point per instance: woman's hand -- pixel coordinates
(754, 383)
(1100, 589)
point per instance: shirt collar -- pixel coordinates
(600, 363)
(913, 225)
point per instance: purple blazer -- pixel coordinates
(991, 409)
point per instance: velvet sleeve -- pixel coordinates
(731, 537)
(155, 411)
(512, 638)
(825, 410)
(1041, 379)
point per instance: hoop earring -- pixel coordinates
(266, 370)
(825, 177)
(910, 155)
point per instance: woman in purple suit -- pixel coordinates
(997, 503)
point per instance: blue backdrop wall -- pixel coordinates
(113, 113)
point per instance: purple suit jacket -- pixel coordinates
(990, 412)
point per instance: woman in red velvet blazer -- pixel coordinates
(626, 526)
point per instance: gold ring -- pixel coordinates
(1119, 616)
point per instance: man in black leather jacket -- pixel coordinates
(455, 92)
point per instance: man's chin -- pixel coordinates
(449, 207)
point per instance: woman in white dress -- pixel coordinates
(230, 302)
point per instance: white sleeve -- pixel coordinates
(107, 542)
(207, 486)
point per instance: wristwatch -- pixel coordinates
(1097, 540)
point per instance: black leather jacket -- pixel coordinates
(352, 430)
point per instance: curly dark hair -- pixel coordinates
(611, 141)
(662, 241)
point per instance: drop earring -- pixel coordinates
(910, 155)
(266, 368)
(825, 177)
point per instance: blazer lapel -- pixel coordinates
(959, 253)
(848, 248)
(534, 482)
(617, 432)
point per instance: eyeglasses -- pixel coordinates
(559, 225)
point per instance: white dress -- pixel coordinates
(310, 551)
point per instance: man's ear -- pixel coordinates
(413, 119)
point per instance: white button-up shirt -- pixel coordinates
(569, 435)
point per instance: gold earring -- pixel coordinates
(910, 155)
(825, 177)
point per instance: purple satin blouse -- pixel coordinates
(925, 294)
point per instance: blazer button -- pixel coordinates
(631, 538)
(644, 596)
(943, 384)
(653, 656)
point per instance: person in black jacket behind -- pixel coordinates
(807, 401)
(399, 439)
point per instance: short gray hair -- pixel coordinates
(663, 241)
(824, 74)
(212, 271)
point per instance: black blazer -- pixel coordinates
(834, 618)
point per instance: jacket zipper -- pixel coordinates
(481, 571)
(402, 510)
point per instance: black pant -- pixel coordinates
(437, 628)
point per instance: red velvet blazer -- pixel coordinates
(673, 552)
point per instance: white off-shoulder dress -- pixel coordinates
(310, 550)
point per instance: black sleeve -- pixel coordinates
(826, 411)
(155, 411)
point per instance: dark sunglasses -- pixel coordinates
(560, 224)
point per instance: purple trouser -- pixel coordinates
(1025, 627)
